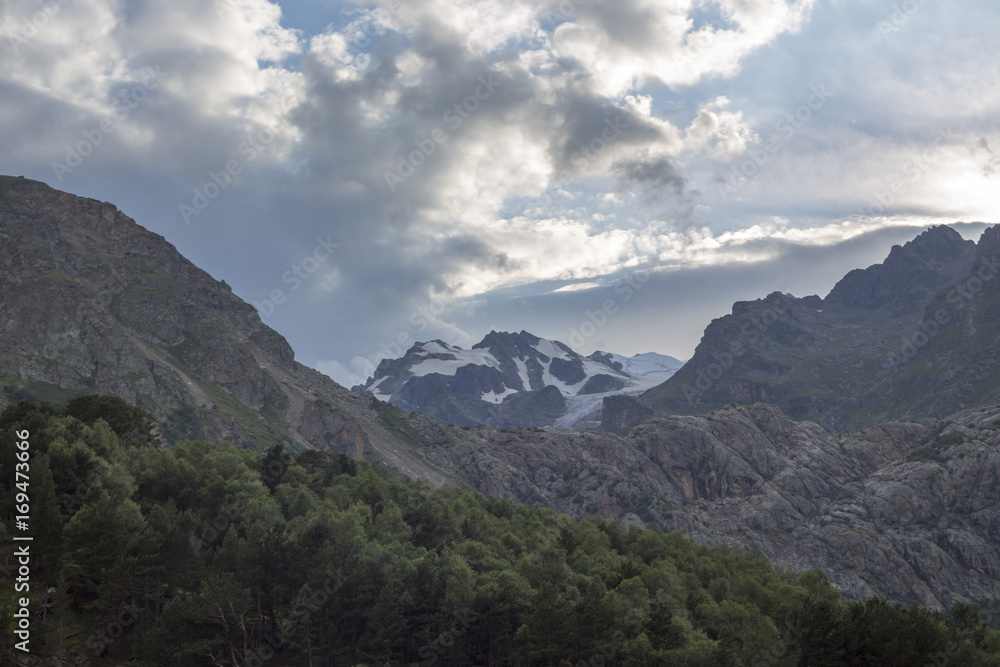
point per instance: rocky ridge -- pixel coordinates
(125, 313)
(863, 354)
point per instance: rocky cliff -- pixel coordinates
(908, 511)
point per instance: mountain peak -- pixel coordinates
(910, 273)
(989, 242)
(859, 354)
(939, 243)
(512, 379)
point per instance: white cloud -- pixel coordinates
(483, 26)
(624, 46)
(217, 66)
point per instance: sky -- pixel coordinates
(611, 174)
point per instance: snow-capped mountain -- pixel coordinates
(650, 365)
(512, 379)
(644, 371)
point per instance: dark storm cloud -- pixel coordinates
(586, 127)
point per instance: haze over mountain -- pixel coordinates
(513, 380)
(915, 336)
(92, 302)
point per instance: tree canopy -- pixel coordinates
(208, 555)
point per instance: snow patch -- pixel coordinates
(374, 389)
(434, 347)
(451, 366)
(493, 397)
(550, 349)
(649, 363)
(592, 368)
(522, 371)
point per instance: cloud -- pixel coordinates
(655, 173)
(624, 46)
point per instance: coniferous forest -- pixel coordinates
(209, 555)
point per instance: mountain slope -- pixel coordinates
(847, 361)
(510, 379)
(125, 313)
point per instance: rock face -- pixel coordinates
(907, 511)
(91, 302)
(915, 336)
(511, 379)
(910, 276)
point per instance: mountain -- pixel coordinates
(92, 302)
(510, 379)
(647, 364)
(915, 336)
